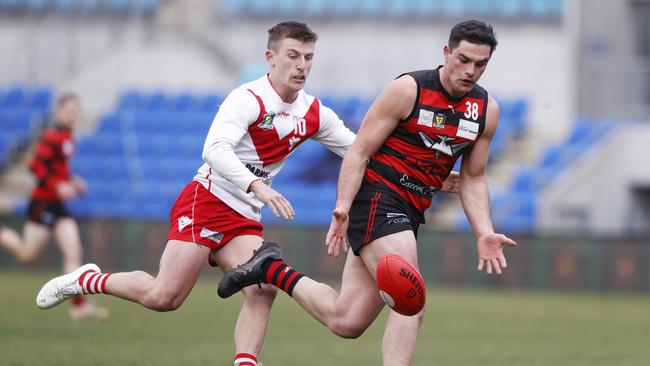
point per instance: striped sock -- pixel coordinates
(245, 359)
(93, 282)
(282, 276)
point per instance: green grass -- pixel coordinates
(462, 327)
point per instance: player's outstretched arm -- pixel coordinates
(475, 198)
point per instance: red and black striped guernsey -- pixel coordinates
(421, 152)
(50, 163)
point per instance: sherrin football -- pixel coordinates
(400, 285)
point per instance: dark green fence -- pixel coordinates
(579, 262)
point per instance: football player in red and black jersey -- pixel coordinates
(46, 212)
(407, 145)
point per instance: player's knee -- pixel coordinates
(420, 318)
(347, 330)
(164, 301)
(27, 257)
(266, 294)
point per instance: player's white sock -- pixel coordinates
(93, 282)
(245, 359)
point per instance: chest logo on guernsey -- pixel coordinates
(439, 121)
(267, 121)
(467, 129)
(443, 144)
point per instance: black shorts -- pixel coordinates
(46, 212)
(375, 214)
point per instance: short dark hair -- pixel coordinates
(473, 31)
(291, 29)
(66, 97)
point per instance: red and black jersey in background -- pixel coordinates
(50, 163)
(421, 152)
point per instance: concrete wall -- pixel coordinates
(613, 81)
(602, 192)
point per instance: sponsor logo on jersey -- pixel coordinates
(267, 121)
(397, 218)
(441, 144)
(293, 141)
(467, 129)
(258, 172)
(183, 221)
(424, 191)
(212, 235)
(440, 121)
(425, 118)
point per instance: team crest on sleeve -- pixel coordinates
(267, 121)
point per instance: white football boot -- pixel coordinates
(59, 289)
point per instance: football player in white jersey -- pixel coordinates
(217, 215)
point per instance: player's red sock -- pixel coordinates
(282, 276)
(245, 359)
(93, 282)
(78, 301)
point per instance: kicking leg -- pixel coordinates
(253, 319)
(347, 315)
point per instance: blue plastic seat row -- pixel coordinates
(19, 97)
(543, 10)
(515, 210)
(89, 7)
(162, 101)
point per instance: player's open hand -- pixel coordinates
(273, 199)
(490, 252)
(66, 190)
(451, 184)
(79, 184)
(335, 239)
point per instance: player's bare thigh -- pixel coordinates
(402, 243)
(180, 266)
(237, 251)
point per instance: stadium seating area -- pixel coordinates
(515, 209)
(80, 7)
(22, 111)
(425, 10)
(150, 146)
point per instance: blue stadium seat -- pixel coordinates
(232, 7)
(210, 103)
(373, 8)
(260, 8)
(315, 8)
(41, 99)
(14, 97)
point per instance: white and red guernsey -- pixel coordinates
(253, 134)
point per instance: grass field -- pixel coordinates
(462, 327)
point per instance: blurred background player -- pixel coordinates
(408, 143)
(46, 212)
